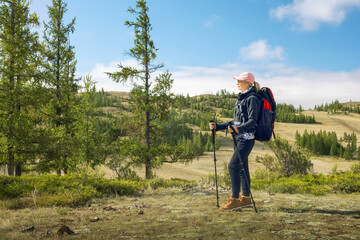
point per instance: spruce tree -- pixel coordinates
(19, 84)
(60, 66)
(91, 143)
(150, 105)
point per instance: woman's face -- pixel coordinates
(243, 85)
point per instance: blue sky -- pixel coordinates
(307, 51)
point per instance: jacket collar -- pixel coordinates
(248, 92)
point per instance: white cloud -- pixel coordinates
(307, 15)
(310, 87)
(209, 23)
(290, 85)
(260, 50)
(99, 75)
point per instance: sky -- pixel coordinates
(306, 51)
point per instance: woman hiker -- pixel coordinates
(245, 116)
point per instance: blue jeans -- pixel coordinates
(240, 176)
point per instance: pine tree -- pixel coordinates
(334, 149)
(91, 143)
(60, 65)
(19, 84)
(150, 106)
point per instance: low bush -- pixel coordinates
(222, 179)
(165, 183)
(355, 168)
(72, 189)
(316, 184)
(287, 160)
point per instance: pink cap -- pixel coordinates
(246, 76)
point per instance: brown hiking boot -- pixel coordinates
(245, 201)
(232, 205)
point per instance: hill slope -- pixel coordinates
(201, 167)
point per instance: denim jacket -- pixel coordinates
(246, 113)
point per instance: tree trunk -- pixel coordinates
(18, 170)
(11, 163)
(10, 147)
(148, 166)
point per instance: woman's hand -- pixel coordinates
(235, 128)
(212, 125)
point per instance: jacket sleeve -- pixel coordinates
(253, 108)
(222, 126)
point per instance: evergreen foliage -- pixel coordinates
(150, 106)
(91, 144)
(316, 184)
(326, 143)
(198, 118)
(287, 160)
(73, 189)
(49, 122)
(102, 99)
(336, 107)
(206, 104)
(288, 113)
(20, 85)
(60, 66)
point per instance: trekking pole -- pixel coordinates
(242, 168)
(216, 182)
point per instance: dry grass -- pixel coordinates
(192, 214)
(330, 123)
(123, 95)
(204, 164)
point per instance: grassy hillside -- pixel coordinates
(339, 123)
(190, 212)
(352, 103)
(201, 167)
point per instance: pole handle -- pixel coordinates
(233, 133)
(213, 132)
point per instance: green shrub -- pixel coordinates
(348, 183)
(261, 173)
(116, 187)
(223, 179)
(166, 183)
(287, 160)
(10, 187)
(72, 189)
(355, 168)
(316, 184)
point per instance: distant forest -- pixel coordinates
(336, 107)
(327, 143)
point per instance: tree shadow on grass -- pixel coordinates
(353, 214)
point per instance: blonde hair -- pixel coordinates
(257, 86)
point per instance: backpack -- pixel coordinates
(267, 114)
